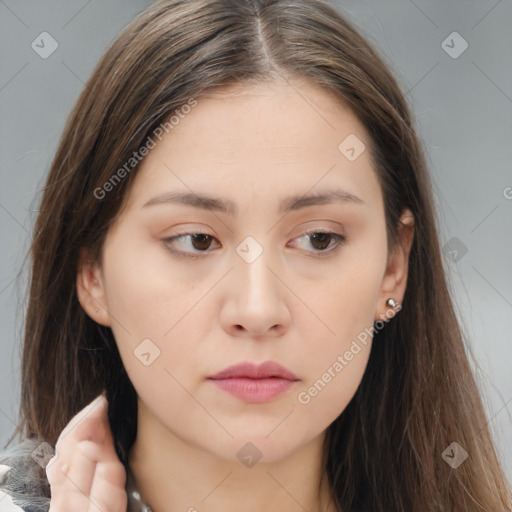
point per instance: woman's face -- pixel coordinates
(256, 283)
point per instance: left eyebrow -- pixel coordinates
(334, 196)
(290, 203)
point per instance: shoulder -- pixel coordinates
(23, 483)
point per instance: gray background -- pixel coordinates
(463, 109)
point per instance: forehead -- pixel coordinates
(259, 113)
(266, 137)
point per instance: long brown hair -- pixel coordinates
(418, 394)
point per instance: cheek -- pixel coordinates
(146, 293)
(339, 339)
(344, 302)
(153, 309)
(336, 362)
(330, 391)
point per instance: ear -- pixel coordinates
(395, 277)
(90, 289)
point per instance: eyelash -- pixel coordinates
(339, 241)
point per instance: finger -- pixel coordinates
(56, 470)
(64, 496)
(80, 475)
(108, 487)
(70, 500)
(89, 423)
(85, 423)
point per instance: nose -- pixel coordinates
(255, 299)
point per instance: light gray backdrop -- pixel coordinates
(462, 98)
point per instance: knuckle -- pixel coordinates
(113, 474)
(89, 449)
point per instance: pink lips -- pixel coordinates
(255, 383)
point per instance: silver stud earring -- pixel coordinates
(391, 303)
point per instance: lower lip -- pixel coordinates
(254, 391)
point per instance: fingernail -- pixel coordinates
(98, 400)
(104, 394)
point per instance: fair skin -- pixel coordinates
(255, 147)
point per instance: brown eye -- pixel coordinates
(323, 243)
(201, 241)
(189, 244)
(320, 240)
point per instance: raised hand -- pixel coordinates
(86, 475)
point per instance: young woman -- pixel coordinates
(237, 244)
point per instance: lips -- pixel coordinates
(265, 370)
(255, 384)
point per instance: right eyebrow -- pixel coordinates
(224, 205)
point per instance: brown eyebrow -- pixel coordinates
(222, 205)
